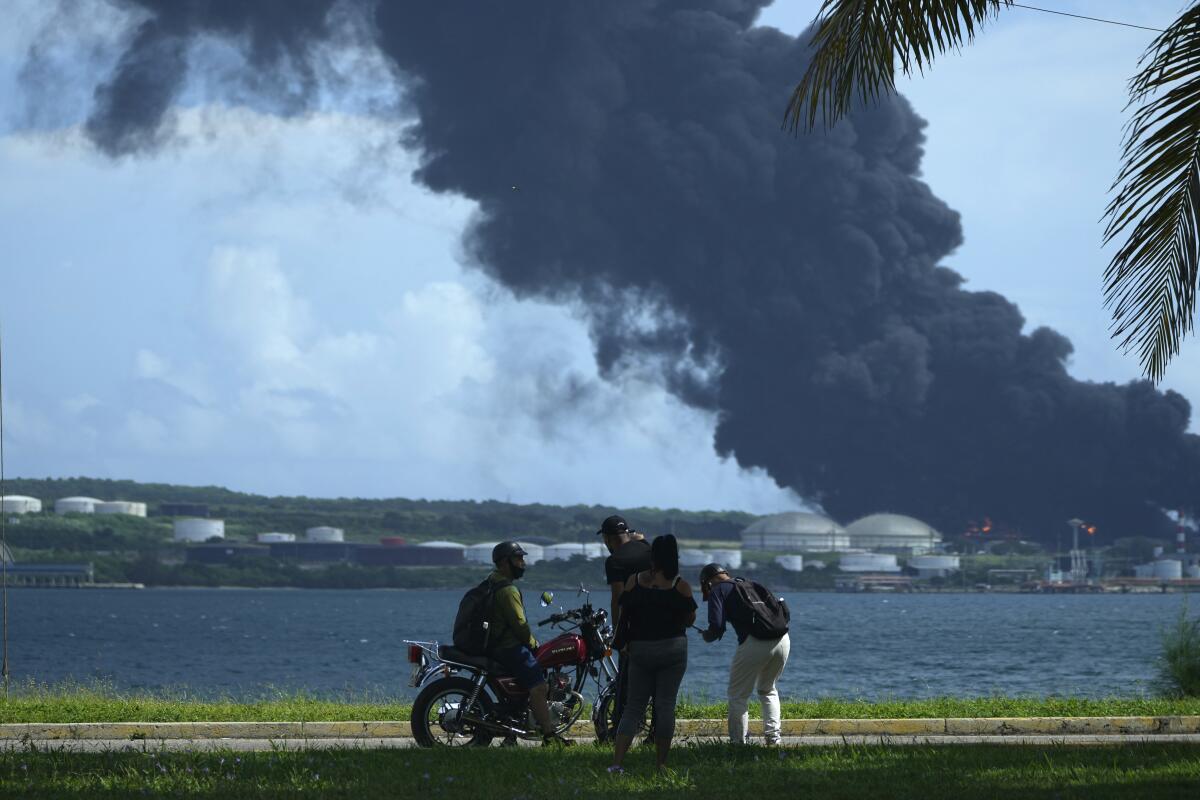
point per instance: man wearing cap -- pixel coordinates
(511, 641)
(629, 555)
(757, 663)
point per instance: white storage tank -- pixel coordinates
(693, 558)
(479, 553)
(19, 504)
(1168, 569)
(533, 552)
(75, 505)
(934, 566)
(443, 544)
(868, 562)
(195, 529)
(1143, 571)
(274, 537)
(730, 559)
(324, 533)
(595, 550)
(121, 507)
(1193, 571)
(564, 551)
(791, 563)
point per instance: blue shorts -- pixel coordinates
(521, 662)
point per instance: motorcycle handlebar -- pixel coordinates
(563, 617)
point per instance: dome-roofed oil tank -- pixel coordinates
(795, 530)
(893, 532)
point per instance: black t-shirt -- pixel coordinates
(630, 559)
(656, 614)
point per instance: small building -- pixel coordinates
(50, 575)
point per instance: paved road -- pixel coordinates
(249, 745)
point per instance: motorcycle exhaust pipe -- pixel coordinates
(495, 727)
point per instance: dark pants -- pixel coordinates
(655, 668)
(621, 695)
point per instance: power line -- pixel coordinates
(1080, 16)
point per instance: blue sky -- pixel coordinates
(272, 305)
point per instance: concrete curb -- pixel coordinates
(931, 727)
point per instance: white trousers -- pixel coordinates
(757, 665)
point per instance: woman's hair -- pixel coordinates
(664, 555)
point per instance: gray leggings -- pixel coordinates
(655, 668)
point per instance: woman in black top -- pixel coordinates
(658, 608)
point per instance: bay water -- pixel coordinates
(249, 643)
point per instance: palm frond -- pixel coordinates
(1150, 284)
(858, 41)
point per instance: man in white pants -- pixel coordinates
(757, 664)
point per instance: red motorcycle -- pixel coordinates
(470, 700)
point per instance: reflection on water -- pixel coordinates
(243, 642)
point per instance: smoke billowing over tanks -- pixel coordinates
(629, 156)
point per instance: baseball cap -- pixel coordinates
(506, 550)
(613, 526)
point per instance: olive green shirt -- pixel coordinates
(508, 627)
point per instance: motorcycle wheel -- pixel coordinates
(606, 726)
(435, 702)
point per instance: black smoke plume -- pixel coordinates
(630, 154)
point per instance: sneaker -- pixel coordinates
(554, 740)
(616, 770)
(509, 741)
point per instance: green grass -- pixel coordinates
(1179, 664)
(710, 770)
(100, 703)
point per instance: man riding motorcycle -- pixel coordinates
(511, 642)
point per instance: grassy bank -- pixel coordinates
(1159, 771)
(34, 703)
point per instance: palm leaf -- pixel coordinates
(857, 43)
(1150, 284)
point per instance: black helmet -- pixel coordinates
(710, 571)
(506, 550)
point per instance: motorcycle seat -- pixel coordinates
(451, 653)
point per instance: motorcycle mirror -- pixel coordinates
(547, 599)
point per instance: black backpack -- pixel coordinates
(766, 614)
(471, 633)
